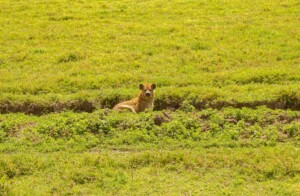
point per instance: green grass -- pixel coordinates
(231, 68)
(270, 171)
(223, 51)
(229, 151)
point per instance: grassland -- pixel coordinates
(230, 69)
(61, 54)
(212, 152)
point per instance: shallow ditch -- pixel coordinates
(160, 104)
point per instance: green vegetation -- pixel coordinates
(229, 68)
(225, 151)
(225, 53)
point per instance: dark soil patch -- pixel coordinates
(160, 104)
(42, 108)
(162, 118)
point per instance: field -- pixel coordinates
(227, 108)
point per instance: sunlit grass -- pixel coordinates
(59, 48)
(204, 56)
(228, 151)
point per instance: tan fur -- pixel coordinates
(140, 103)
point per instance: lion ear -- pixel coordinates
(141, 87)
(153, 86)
